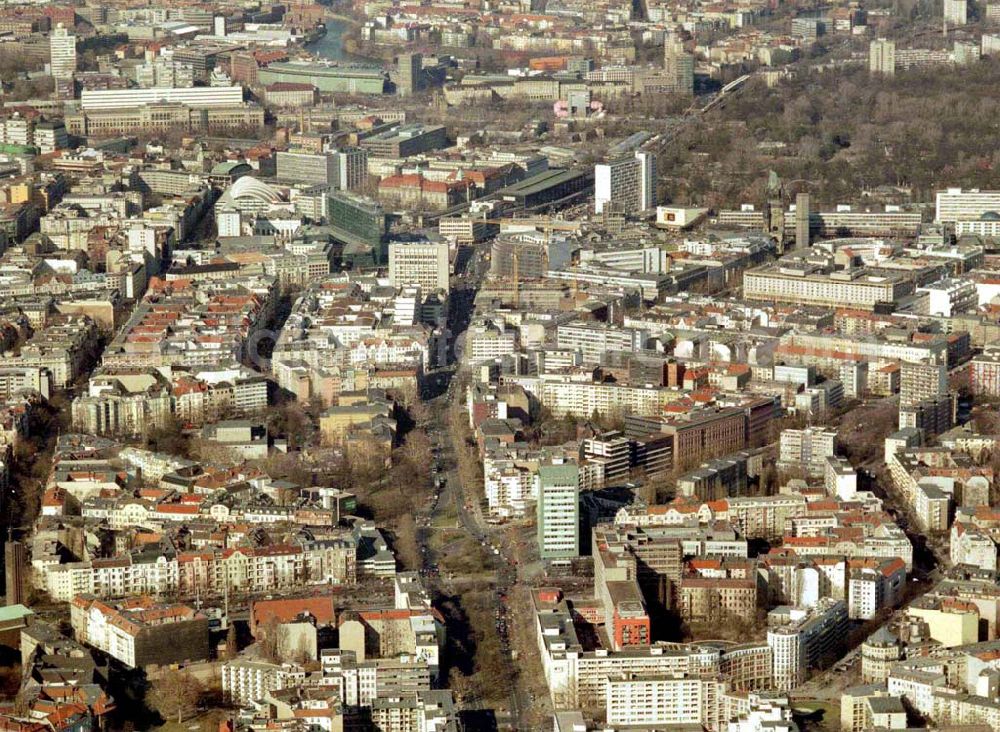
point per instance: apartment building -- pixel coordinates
(974, 542)
(879, 651)
(840, 479)
(487, 341)
(245, 681)
(984, 374)
(330, 561)
(956, 12)
(874, 585)
(716, 600)
(141, 632)
(949, 297)
(575, 676)
(197, 324)
(361, 682)
(162, 73)
(882, 57)
(870, 707)
(466, 229)
(826, 349)
(650, 699)
(921, 381)
(658, 550)
(369, 412)
(802, 639)
(806, 449)
(15, 379)
(761, 517)
(594, 340)
(117, 412)
(63, 347)
(564, 396)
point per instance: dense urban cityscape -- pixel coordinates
(570, 365)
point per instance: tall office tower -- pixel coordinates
(308, 168)
(678, 66)
(774, 209)
(616, 183)
(350, 169)
(628, 183)
(342, 170)
(62, 53)
(956, 12)
(13, 562)
(419, 263)
(801, 220)
(647, 179)
(558, 511)
(410, 67)
(919, 382)
(882, 57)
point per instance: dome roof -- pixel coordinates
(990, 216)
(249, 187)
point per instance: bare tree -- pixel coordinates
(407, 547)
(175, 695)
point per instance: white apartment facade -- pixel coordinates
(593, 340)
(653, 699)
(807, 449)
(246, 681)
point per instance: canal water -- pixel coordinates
(331, 45)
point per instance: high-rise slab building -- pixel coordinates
(802, 221)
(410, 69)
(956, 12)
(342, 170)
(882, 57)
(919, 382)
(13, 564)
(62, 53)
(627, 183)
(647, 179)
(558, 511)
(678, 66)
